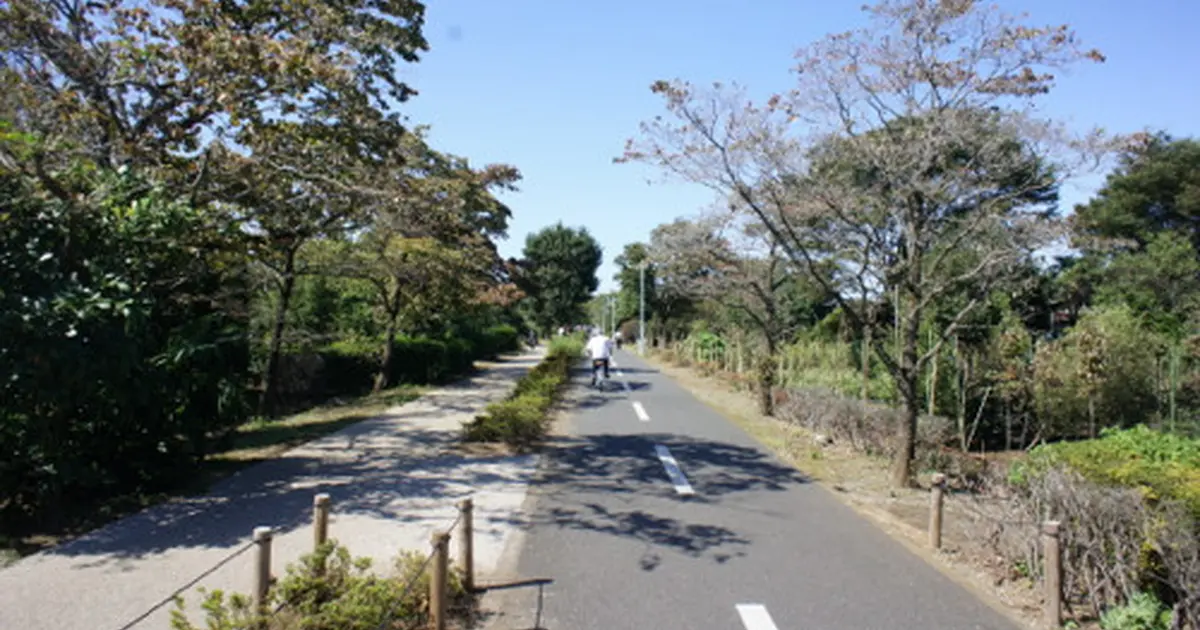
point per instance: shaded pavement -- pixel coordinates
(391, 478)
(736, 539)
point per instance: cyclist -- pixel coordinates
(599, 349)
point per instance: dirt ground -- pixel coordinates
(863, 483)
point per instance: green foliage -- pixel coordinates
(1163, 465)
(630, 276)
(558, 274)
(329, 590)
(120, 362)
(1153, 190)
(350, 364)
(1107, 355)
(1142, 612)
(520, 420)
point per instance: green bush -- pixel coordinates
(351, 365)
(498, 340)
(1143, 612)
(344, 596)
(520, 419)
(1162, 465)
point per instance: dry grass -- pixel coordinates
(862, 482)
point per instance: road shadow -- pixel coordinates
(584, 479)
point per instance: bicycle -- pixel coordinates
(599, 374)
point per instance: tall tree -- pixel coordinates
(147, 82)
(631, 279)
(922, 142)
(742, 268)
(1154, 189)
(558, 273)
(1139, 235)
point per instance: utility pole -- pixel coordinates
(642, 310)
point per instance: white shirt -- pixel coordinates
(599, 347)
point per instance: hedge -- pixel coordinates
(521, 418)
(350, 366)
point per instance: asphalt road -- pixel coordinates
(656, 512)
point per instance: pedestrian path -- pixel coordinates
(393, 480)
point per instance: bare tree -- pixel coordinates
(738, 265)
(909, 153)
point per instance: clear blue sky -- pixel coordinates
(555, 87)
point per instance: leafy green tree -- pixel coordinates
(147, 82)
(1139, 234)
(558, 274)
(1154, 189)
(629, 279)
(124, 343)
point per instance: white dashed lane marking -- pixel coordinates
(682, 487)
(755, 617)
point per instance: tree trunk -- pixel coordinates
(767, 369)
(868, 334)
(266, 401)
(1092, 416)
(1007, 426)
(384, 375)
(906, 436)
(933, 385)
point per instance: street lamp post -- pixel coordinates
(642, 310)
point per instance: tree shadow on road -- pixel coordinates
(586, 479)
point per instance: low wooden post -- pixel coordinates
(320, 520)
(1052, 561)
(936, 500)
(262, 566)
(467, 542)
(437, 581)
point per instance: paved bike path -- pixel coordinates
(656, 512)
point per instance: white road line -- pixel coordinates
(640, 411)
(755, 617)
(680, 482)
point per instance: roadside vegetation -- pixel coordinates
(195, 247)
(870, 273)
(522, 419)
(331, 590)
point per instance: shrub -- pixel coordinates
(1161, 465)
(520, 419)
(344, 596)
(1143, 612)
(499, 340)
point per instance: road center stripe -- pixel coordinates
(640, 411)
(680, 482)
(755, 617)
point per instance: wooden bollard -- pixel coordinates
(437, 581)
(320, 520)
(466, 537)
(262, 566)
(1052, 561)
(937, 498)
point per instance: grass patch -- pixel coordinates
(522, 419)
(253, 442)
